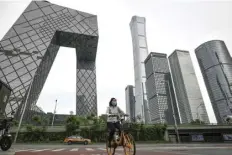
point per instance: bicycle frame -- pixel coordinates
(121, 142)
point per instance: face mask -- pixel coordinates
(114, 103)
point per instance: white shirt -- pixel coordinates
(115, 111)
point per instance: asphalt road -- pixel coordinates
(142, 149)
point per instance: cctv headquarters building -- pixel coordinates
(28, 50)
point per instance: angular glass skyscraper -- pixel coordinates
(140, 52)
(130, 101)
(216, 66)
(161, 100)
(189, 97)
(28, 50)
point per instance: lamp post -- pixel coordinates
(24, 108)
(54, 113)
(173, 112)
(198, 112)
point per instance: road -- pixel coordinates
(142, 149)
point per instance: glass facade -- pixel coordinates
(158, 85)
(29, 48)
(140, 52)
(130, 102)
(189, 97)
(216, 66)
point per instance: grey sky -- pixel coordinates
(170, 25)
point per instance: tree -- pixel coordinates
(103, 117)
(197, 121)
(15, 123)
(37, 120)
(71, 112)
(72, 124)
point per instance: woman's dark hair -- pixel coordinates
(110, 103)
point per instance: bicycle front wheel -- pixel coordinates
(110, 150)
(129, 147)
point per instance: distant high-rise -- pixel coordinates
(216, 66)
(158, 85)
(140, 52)
(189, 97)
(130, 102)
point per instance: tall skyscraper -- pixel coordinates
(29, 48)
(160, 91)
(189, 97)
(216, 66)
(140, 52)
(130, 102)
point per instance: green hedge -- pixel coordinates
(139, 132)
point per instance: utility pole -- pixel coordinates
(24, 108)
(54, 113)
(198, 112)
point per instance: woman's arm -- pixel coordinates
(107, 111)
(120, 111)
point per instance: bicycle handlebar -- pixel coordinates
(113, 115)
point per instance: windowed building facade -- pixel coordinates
(188, 93)
(160, 94)
(216, 66)
(140, 52)
(130, 102)
(29, 48)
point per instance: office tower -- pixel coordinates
(216, 66)
(140, 52)
(29, 48)
(146, 112)
(130, 102)
(160, 91)
(188, 94)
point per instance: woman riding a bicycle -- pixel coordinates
(113, 112)
(114, 121)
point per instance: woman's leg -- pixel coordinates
(118, 126)
(111, 127)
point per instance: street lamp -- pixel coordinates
(173, 112)
(198, 112)
(54, 113)
(24, 108)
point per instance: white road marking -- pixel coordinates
(24, 150)
(89, 149)
(57, 150)
(40, 150)
(103, 149)
(120, 149)
(75, 149)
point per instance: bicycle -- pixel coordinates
(125, 140)
(5, 136)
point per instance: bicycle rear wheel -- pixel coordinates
(130, 147)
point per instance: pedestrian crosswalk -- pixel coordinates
(57, 150)
(66, 150)
(74, 149)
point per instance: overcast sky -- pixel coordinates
(170, 25)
